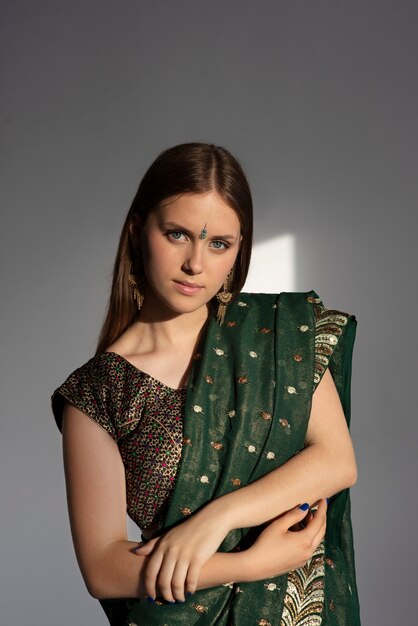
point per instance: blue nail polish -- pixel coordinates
(150, 599)
(327, 500)
(304, 507)
(189, 593)
(170, 602)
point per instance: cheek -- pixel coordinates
(161, 258)
(153, 249)
(222, 270)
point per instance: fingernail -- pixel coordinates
(150, 599)
(327, 500)
(304, 507)
(171, 602)
(180, 601)
(189, 593)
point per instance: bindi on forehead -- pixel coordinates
(203, 232)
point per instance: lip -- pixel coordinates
(187, 283)
(187, 288)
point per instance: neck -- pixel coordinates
(158, 329)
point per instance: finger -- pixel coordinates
(292, 517)
(316, 530)
(317, 540)
(318, 518)
(164, 578)
(151, 573)
(193, 577)
(301, 525)
(178, 581)
(146, 548)
(321, 533)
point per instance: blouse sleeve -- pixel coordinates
(334, 339)
(86, 388)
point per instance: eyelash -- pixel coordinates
(180, 232)
(175, 232)
(225, 245)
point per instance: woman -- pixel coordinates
(227, 429)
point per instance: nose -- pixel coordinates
(193, 262)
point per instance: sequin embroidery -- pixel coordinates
(304, 599)
(328, 329)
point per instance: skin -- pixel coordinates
(175, 253)
(186, 558)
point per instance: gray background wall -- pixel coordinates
(319, 101)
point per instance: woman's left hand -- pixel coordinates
(176, 558)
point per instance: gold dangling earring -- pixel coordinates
(137, 295)
(224, 297)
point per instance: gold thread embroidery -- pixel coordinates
(328, 329)
(304, 598)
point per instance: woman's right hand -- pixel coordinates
(279, 549)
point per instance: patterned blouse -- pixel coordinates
(143, 416)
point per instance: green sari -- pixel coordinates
(247, 411)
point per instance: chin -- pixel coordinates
(189, 308)
(166, 301)
(183, 306)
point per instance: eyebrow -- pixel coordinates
(175, 226)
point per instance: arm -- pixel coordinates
(95, 481)
(324, 467)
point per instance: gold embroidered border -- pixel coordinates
(328, 329)
(304, 599)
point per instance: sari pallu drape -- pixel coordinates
(247, 411)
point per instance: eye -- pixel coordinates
(220, 245)
(176, 235)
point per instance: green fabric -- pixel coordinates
(250, 396)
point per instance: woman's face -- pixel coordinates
(190, 245)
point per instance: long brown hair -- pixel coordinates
(186, 168)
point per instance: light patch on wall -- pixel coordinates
(272, 267)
